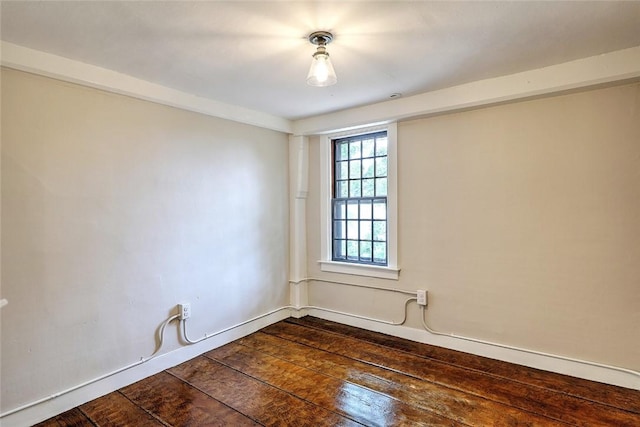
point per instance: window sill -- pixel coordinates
(390, 273)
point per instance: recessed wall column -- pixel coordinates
(298, 191)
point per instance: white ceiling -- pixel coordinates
(256, 54)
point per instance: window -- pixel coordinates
(358, 190)
(359, 202)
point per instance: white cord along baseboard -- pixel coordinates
(291, 308)
(450, 335)
(101, 377)
(156, 353)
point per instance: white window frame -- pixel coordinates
(391, 270)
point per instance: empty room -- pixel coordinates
(337, 213)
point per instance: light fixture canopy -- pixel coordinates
(321, 72)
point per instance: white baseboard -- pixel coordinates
(538, 361)
(63, 402)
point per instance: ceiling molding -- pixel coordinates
(607, 68)
(57, 67)
(621, 65)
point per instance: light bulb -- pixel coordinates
(321, 72)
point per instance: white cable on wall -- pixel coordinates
(186, 338)
(237, 325)
(525, 350)
(144, 359)
(451, 335)
(185, 335)
(357, 316)
(357, 285)
(102, 377)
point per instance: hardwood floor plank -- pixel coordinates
(611, 395)
(550, 404)
(358, 403)
(178, 403)
(70, 418)
(462, 407)
(116, 410)
(266, 404)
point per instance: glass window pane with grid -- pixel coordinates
(359, 200)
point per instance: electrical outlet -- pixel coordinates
(184, 310)
(422, 297)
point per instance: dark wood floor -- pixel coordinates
(312, 372)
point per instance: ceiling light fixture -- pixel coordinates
(321, 72)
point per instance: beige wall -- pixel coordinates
(113, 211)
(522, 221)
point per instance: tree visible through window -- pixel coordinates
(359, 199)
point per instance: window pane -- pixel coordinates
(381, 146)
(381, 166)
(365, 230)
(342, 189)
(365, 251)
(379, 209)
(342, 170)
(379, 252)
(342, 152)
(354, 169)
(339, 249)
(367, 168)
(352, 230)
(365, 209)
(354, 150)
(367, 188)
(352, 209)
(339, 230)
(380, 230)
(368, 147)
(354, 188)
(352, 249)
(381, 186)
(339, 209)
